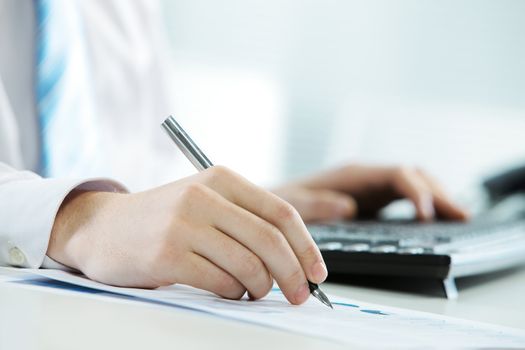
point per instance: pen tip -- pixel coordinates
(323, 298)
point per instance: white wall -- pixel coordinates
(437, 83)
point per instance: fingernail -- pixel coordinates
(319, 272)
(427, 206)
(302, 293)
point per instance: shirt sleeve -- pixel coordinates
(28, 207)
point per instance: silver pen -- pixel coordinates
(201, 162)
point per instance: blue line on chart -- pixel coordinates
(375, 312)
(345, 304)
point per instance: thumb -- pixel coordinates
(328, 205)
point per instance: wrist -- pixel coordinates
(70, 242)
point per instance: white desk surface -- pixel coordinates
(48, 319)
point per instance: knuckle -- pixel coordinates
(251, 266)
(322, 206)
(221, 169)
(285, 211)
(228, 287)
(190, 198)
(267, 286)
(310, 253)
(263, 289)
(402, 173)
(423, 173)
(296, 276)
(217, 173)
(271, 237)
(193, 191)
(348, 168)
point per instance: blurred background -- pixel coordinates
(277, 89)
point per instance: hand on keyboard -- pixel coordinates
(344, 192)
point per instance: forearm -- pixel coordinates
(28, 207)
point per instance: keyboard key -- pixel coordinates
(330, 246)
(356, 247)
(384, 249)
(411, 250)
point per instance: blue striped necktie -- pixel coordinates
(69, 139)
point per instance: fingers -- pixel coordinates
(236, 259)
(201, 273)
(262, 238)
(445, 207)
(275, 211)
(426, 194)
(315, 205)
(267, 243)
(410, 185)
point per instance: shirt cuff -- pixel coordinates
(29, 218)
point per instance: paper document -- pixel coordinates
(350, 322)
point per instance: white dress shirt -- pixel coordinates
(128, 58)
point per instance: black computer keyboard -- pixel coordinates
(443, 250)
